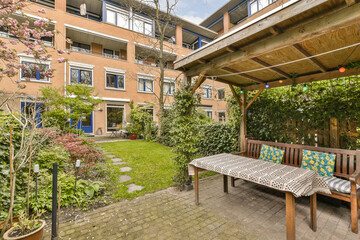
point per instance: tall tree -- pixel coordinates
(162, 15)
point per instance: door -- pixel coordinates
(86, 124)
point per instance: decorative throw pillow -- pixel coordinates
(323, 163)
(271, 154)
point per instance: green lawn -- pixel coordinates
(151, 163)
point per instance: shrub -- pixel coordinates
(53, 154)
(217, 138)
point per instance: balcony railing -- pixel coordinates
(7, 35)
(144, 62)
(78, 49)
(87, 51)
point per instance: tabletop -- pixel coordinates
(298, 181)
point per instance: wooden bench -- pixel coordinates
(347, 166)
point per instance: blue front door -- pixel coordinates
(86, 124)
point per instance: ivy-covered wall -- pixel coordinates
(312, 105)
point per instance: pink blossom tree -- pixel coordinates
(26, 35)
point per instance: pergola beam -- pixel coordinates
(200, 81)
(313, 61)
(227, 69)
(274, 69)
(236, 95)
(303, 32)
(254, 98)
(305, 79)
(350, 2)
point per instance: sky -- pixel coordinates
(196, 11)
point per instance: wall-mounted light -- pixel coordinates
(100, 109)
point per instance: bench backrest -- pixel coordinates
(345, 163)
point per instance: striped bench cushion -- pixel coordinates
(339, 185)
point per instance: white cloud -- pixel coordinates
(193, 19)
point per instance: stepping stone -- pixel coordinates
(110, 156)
(116, 159)
(125, 169)
(118, 163)
(133, 187)
(124, 178)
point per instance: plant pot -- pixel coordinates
(35, 235)
(133, 136)
(15, 219)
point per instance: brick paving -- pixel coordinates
(248, 211)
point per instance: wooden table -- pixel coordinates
(251, 169)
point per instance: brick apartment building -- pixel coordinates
(109, 51)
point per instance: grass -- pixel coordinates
(151, 163)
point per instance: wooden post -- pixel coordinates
(243, 122)
(290, 216)
(354, 208)
(334, 133)
(225, 178)
(313, 212)
(196, 170)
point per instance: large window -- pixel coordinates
(123, 20)
(143, 26)
(169, 88)
(111, 17)
(221, 94)
(114, 116)
(209, 113)
(116, 81)
(31, 110)
(207, 92)
(111, 53)
(145, 85)
(81, 76)
(257, 5)
(34, 71)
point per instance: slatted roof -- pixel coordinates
(292, 31)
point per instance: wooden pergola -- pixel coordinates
(297, 42)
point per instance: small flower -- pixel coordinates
(43, 11)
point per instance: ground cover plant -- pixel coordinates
(151, 163)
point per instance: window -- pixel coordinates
(145, 85)
(123, 20)
(114, 116)
(148, 29)
(150, 110)
(110, 17)
(34, 71)
(207, 92)
(257, 5)
(80, 47)
(142, 26)
(169, 88)
(138, 26)
(80, 76)
(29, 109)
(221, 94)
(222, 117)
(115, 81)
(166, 112)
(209, 114)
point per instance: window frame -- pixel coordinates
(145, 78)
(218, 95)
(219, 116)
(33, 61)
(114, 106)
(211, 113)
(79, 75)
(207, 92)
(250, 13)
(117, 74)
(170, 93)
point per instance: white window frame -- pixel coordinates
(82, 66)
(145, 77)
(269, 2)
(115, 72)
(218, 89)
(202, 91)
(33, 60)
(148, 107)
(170, 81)
(114, 106)
(219, 116)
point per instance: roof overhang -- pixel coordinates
(267, 49)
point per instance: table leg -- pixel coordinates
(196, 170)
(290, 216)
(313, 211)
(225, 178)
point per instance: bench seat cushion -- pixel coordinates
(323, 163)
(271, 154)
(339, 185)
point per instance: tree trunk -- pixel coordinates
(161, 84)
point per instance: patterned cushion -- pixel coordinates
(323, 163)
(271, 154)
(339, 185)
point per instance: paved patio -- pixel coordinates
(248, 211)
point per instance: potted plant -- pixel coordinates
(134, 129)
(26, 229)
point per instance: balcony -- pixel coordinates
(96, 44)
(147, 55)
(46, 3)
(92, 9)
